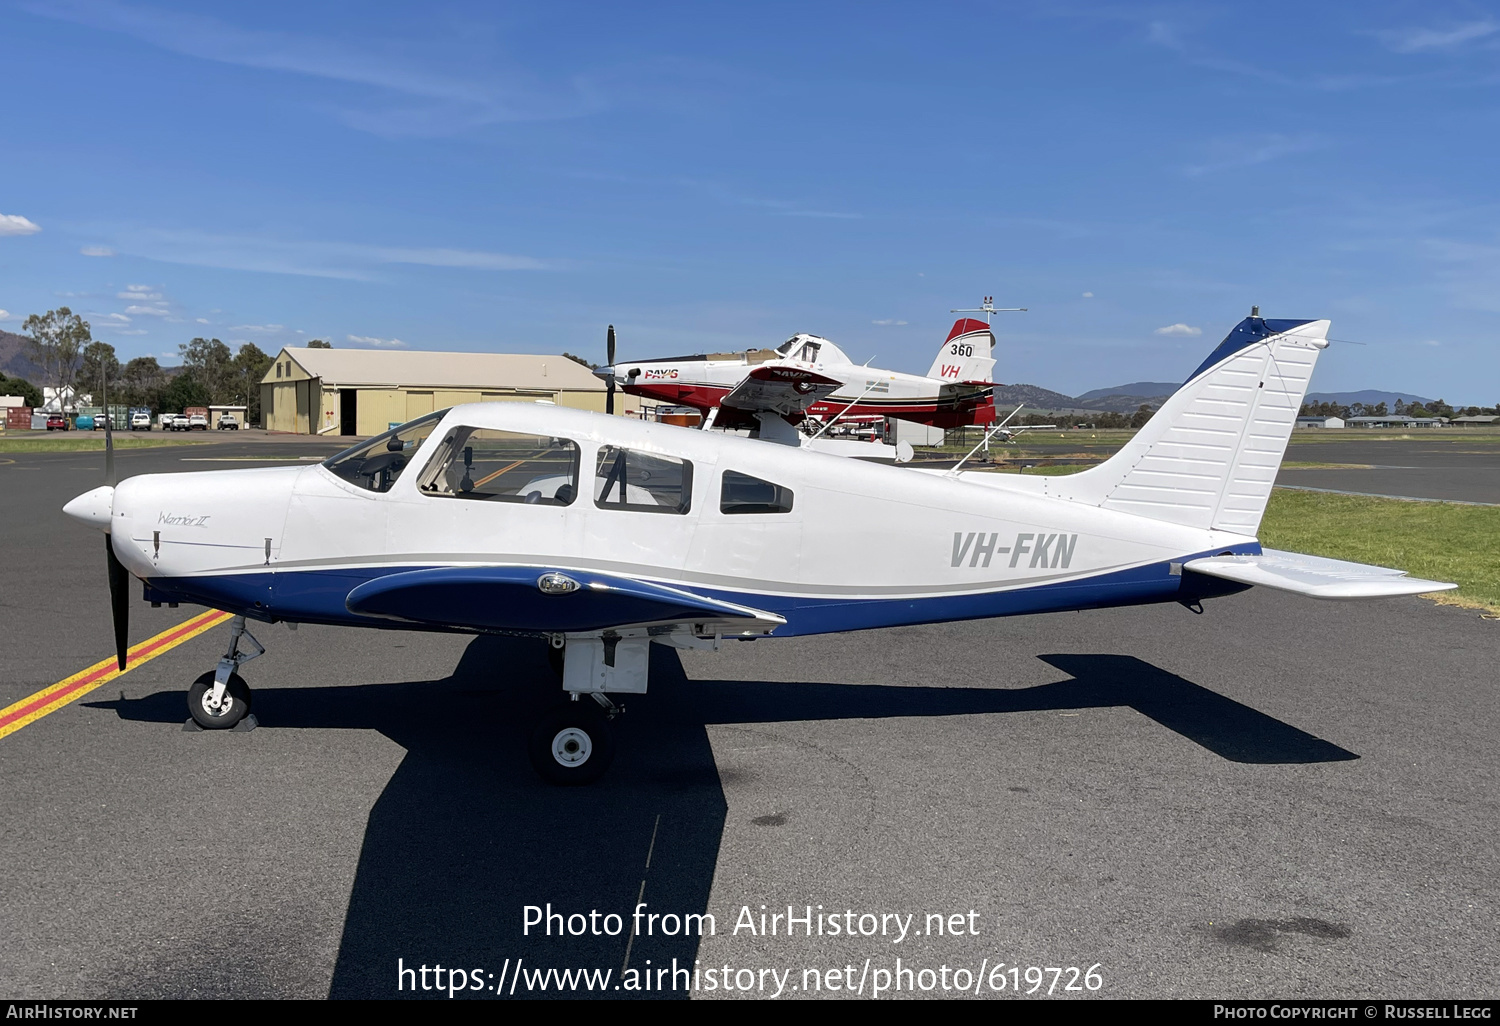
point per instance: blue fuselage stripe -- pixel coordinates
(318, 596)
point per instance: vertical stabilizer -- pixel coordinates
(1208, 458)
(967, 355)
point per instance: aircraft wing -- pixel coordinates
(783, 390)
(1314, 576)
(510, 598)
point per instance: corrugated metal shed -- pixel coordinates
(371, 368)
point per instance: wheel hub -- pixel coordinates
(572, 747)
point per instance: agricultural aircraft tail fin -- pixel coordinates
(968, 354)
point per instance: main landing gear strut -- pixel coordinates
(220, 699)
(573, 744)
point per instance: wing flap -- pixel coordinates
(509, 598)
(783, 390)
(1314, 576)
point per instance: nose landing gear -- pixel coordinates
(220, 699)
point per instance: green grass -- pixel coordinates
(1440, 541)
(71, 442)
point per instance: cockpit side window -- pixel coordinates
(809, 353)
(647, 482)
(503, 466)
(741, 493)
(377, 464)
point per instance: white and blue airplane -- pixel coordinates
(605, 535)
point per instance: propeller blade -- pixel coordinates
(109, 446)
(119, 601)
(609, 386)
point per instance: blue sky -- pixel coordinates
(714, 176)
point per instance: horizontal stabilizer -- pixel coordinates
(1314, 576)
(510, 598)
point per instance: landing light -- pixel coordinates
(556, 584)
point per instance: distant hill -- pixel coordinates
(1368, 397)
(14, 361)
(1135, 388)
(1034, 396)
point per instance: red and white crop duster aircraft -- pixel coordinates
(808, 378)
(603, 535)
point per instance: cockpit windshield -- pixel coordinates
(375, 465)
(801, 347)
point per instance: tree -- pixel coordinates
(183, 391)
(1139, 418)
(209, 362)
(57, 341)
(318, 343)
(25, 389)
(141, 382)
(99, 363)
(579, 359)
(250, 365)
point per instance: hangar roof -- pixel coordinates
(368, 368)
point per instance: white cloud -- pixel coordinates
(1179, 329)
(1416, 40)
(889, 322)
(343, 260)
(6, 315)
(258, 329)
(1088, 295)
(149, 311)
(1432, 342)
(119, 318)
(97, 251)
(370, 340)
(202, 320)
(15, 224)
(132, 331)
(409, 95)
(138, 297)
(1246, 151)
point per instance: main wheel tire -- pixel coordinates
(572, 745)
(235, 708)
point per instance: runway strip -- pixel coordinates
(1382, 495)
(54, 697)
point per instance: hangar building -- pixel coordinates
(365, 392)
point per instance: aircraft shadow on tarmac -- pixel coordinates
(464, 834)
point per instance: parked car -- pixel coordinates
(57, 422)
(140, 421)
(178, 423)
(198, 422)
(228, 422)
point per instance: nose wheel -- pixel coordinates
(220, 698)
(224, 712)
(572, 745)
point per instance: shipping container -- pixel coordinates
(18, 418)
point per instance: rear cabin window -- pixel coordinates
(647, 482)
(503, 466)
(741, 493)
(377, 464)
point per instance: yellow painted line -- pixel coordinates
(50, 699)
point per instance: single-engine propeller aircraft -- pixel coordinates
(605, 535)
(810, 377)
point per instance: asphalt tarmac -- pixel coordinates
(1278, 798)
